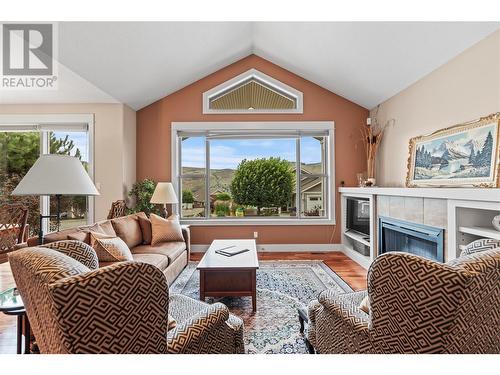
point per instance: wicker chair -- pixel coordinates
(416, 306)
(13, 218)
(75, 307)
(118, 209)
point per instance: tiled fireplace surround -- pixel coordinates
(428, 211)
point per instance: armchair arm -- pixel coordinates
(343, 305)
(121, 308)
(337, 325)
(77, 250)
(189, 336)
(413, 302)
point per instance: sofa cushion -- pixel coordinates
(128, 229)
(157, 260)
(107, 228)
(109, 249)
(145, 224)
(172, 250)
(57, 236)
(165, 230)
(80, 236)
(83, 233)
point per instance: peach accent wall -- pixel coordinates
(153, 143)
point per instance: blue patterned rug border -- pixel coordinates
(339, 280)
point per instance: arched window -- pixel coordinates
(252, 92)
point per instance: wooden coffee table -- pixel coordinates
(222, 276)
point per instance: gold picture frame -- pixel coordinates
(463, 155)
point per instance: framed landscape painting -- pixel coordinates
(462, 155)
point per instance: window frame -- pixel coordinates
(262, 127)
(45, 123)
(273, 83)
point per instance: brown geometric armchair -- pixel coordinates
(416, 306)
(13, 218)
(75, 307)
(118, 209)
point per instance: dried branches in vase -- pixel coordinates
(372, 136)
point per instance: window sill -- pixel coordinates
(245, 222)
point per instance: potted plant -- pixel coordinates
(240, 212)
(141, 192)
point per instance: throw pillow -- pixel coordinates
(164, 230)
(482, 244)
(80, 236)
(109, 249)
(172, 323)
(145, 224)
(128, 229)
(365, 305)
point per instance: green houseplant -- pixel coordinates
(142, 191)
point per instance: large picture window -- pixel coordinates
(20, 147)
(254, 174)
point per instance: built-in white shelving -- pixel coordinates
(469, 212)
(481, 232)
(350, 237)
(358, 237)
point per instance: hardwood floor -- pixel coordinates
(8, 328)
(350, 271)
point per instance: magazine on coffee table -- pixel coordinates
(230, 251)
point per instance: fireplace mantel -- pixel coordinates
(470, 194)
(465, 214)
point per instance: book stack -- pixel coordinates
(230, 251)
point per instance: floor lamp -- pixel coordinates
(56, 175)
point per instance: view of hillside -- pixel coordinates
(220, 179)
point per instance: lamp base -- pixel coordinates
(58, 217)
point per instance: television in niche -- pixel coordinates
(358, 215)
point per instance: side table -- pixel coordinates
(11, 303)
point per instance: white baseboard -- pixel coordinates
(362, 260)
(305, 248)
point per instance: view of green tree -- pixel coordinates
(187, 196)
(266, 182)
(223, 197)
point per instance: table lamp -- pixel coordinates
(164, 193)
(55, 175)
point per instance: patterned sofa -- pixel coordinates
(416, 306)
(75, 307)
(170, 257)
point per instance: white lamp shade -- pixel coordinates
(164, 193)
(56, 175)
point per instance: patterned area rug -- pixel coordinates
(282, 287)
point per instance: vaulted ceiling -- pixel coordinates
(138, 63)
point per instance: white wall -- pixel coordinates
(464, 89)
(114, 145)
